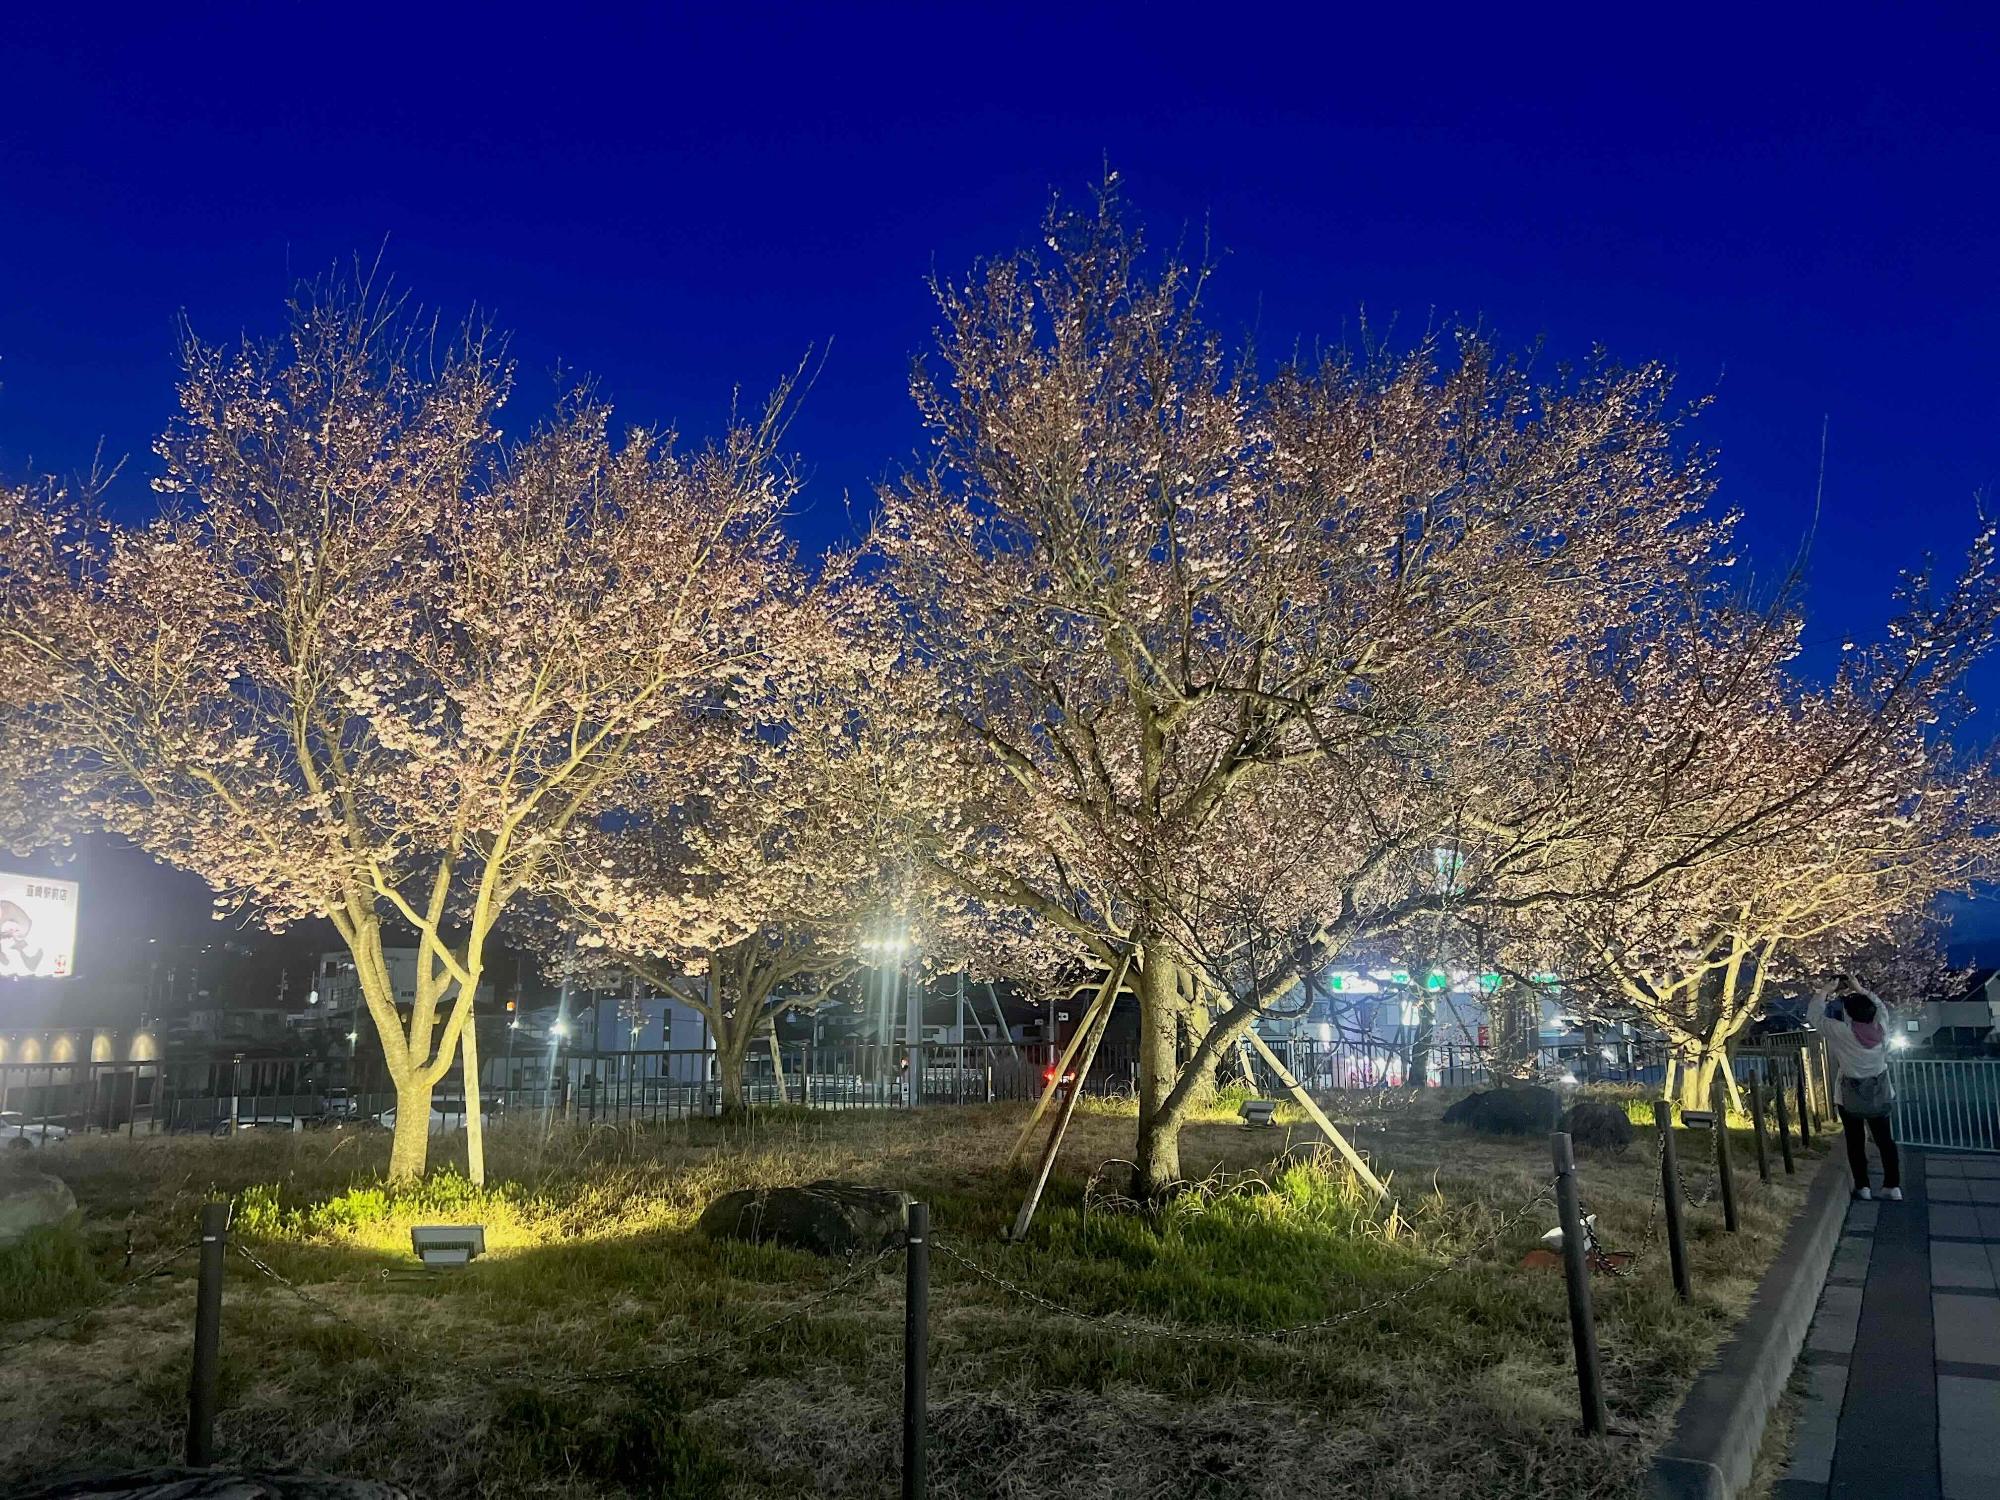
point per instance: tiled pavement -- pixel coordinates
(1907, 1342)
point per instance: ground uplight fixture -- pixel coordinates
(442, 1245)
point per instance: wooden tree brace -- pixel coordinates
(1314, 1113)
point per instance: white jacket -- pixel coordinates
(1851, 1058)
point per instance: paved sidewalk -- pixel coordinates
(1903, 1361)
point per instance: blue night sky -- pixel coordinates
(1800, 212)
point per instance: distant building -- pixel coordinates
(210, 1022)
(1968, 1021)
(335, 1000)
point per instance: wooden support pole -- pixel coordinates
(1313, 1113)
(1725, 1173)
(1576, 1278)
(1784, 1121)
(204, 1374)
(1061, 1128)
(1805, 1102)
(916, 1351)
(1670, 1195)
(1101, 1006)
(1757, 1124)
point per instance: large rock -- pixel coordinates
(31, 1200)
(212, 1484)
(1598, 1124)
(1524, 1111)
(828, 1218)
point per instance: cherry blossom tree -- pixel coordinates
(35, 534)
(1746, 823)
(745, 869)
(1204, 644)
(373, 662)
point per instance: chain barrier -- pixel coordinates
(1278, 1335)
(145, 1273)
(1706, 1193)
(389, 1342)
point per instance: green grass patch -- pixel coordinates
(48, 1272)
(603, 1347)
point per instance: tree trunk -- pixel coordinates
(1516, 1014)
(409, 1151)
(730, 1058)
(1419, 1073)
(1158, 1165)
(1697, 1080)
(1197, 1012)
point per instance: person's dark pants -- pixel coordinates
(1857, 1149)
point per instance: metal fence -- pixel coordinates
(1947, 1104)
(227, 1093)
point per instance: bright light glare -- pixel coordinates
(1899, 1042)
(561, 1028)
(354, 1036)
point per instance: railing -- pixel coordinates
(226, 1094)
(1777, 1058)
(1951, 1105)
(1370, 1064)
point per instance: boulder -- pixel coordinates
(31, 1200)
(213, 1484)
(1524, 1111)
(1598, 1124)
(835, 1219)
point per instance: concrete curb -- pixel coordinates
(1721, 1423)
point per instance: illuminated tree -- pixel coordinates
(1208, 648)
(1747, 824)
(373, 662)
(744, 869)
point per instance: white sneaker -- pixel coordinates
(1894, 1195)
(1862, 1195)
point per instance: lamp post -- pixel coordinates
(892, 945)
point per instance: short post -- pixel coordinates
(1670, 1195)
(1805, 1103)
(1778, 1093)
(916, 1348)
(203, 1378)
(1576, 1275)
(1757, 1125)
(1725, 1174)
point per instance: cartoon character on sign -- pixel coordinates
(18, 960)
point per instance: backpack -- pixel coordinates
(1870, 1098)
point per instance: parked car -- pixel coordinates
(340, 1110)
(22, 1134)
(447, 1115)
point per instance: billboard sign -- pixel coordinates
(37, 927)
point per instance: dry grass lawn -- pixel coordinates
(516, 1377)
